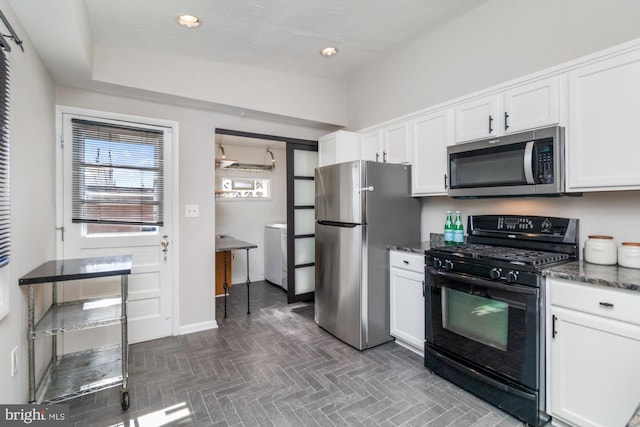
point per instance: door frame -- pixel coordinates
(290, 144)
(175, 239)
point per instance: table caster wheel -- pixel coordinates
(124, 400)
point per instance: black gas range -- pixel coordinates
(484, 325)
(510, 248)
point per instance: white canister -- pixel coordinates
(600, 250)
(629, 254)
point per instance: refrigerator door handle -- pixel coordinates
(370, 188)
(338, 224)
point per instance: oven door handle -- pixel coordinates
(482, 282)
(481, 377)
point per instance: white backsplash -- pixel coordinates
(609, 213)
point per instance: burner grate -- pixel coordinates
(501, 253)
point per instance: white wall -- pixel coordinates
(499, 41)
(245, 219)
(496, 42)
(612, 213)
(275, 92)
(196, 151)
(32, 184)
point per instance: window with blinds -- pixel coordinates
(117, 177)
(5, 207)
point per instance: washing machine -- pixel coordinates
(275, 254)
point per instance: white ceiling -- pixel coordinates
(284, 35)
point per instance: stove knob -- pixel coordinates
(512, 276)
(448, 264)
(495, 273)
(437, 263)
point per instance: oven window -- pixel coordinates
(481, 319)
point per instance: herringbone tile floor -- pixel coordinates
(276, 367)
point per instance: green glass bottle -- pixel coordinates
(458, 230)
(448, 230)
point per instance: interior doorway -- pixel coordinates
(264, 188)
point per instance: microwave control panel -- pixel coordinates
(544, 162)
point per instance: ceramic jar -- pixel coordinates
(629, 254)
(600, 250)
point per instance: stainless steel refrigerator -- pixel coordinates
(361, 207)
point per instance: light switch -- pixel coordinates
(191, 211)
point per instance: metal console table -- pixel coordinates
(224, 244)
(72, 375)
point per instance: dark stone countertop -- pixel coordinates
(414, 247)
(226, 243)
(78, 268)
(435, 239)
(604, 275)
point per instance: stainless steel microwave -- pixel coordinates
(524, 164)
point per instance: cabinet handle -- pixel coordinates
(445, 181)
(606, 304)
(423, 289)
(490, 124)
(377, 157)
(553, 326)
(506, 120)
(384, 157)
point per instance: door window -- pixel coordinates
(117, 178)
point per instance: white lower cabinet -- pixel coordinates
(594, 349)
(407, 299)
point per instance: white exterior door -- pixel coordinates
(150, 302)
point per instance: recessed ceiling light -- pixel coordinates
(189, 21)
(329, 51)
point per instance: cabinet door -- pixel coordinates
(396, 144)
(338, 147)
(407, 307)
(602, 132)
(531, 106)
(430, 136)
(477, 119)
(371, 146)
(594, 377)
(328, 149)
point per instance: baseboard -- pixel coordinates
(198, 327)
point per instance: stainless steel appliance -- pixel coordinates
(361, 207)
(484, 325)
(524, 164)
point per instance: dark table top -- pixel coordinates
(227, 243)
(80, 268)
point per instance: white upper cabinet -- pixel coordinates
(338, 147)
(431, 133)
(521, 107)
(388, 144)
(603, 135)
(396, 147)
(477, 119)
(371, 145)
(531, 105)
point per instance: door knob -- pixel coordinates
(165, 243)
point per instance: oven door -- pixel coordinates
(490, 327)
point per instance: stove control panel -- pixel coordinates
(536, 228)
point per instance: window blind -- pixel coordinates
(5, 206)
(117, 174)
